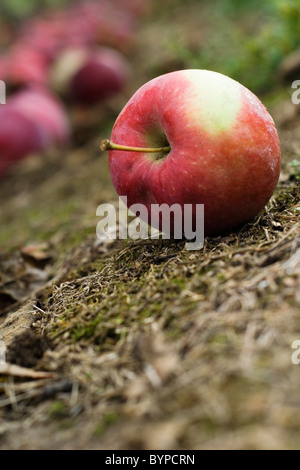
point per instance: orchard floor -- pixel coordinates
(144, 345)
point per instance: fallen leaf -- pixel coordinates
(38, 254)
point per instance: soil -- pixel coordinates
(147, 345)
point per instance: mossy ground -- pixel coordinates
(152, 346)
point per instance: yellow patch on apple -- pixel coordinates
(219, 98)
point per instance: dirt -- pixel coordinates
(26, 349)
(149, 346)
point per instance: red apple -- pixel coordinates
(27, 66)
(19, 137)
(220, 148)
(46, 110)
(88, 77)
(43, 35)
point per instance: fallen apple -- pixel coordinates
(46, 110)
(203, 138)
(27, 66)
(89, 76)
(43, 35)
(31, 121)
(19, 137)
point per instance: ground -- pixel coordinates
(144, 345)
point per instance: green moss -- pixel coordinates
(58, 410)
(108, 420)
(295, 167)
(85, 331)
(219, 338)
(286, 199)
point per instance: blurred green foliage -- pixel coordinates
(295, 166)
(19, 9)
(244, 39)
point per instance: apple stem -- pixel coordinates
(109, 145)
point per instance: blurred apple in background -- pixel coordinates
(88, 77)
(31, 121)
(42, 35)
(19, 137)
(27, 66)
(47, 111)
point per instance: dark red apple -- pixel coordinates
(220, 148)
(88, 77)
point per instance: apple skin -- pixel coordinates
(225, 150)
(45, 109)
(19, 137)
